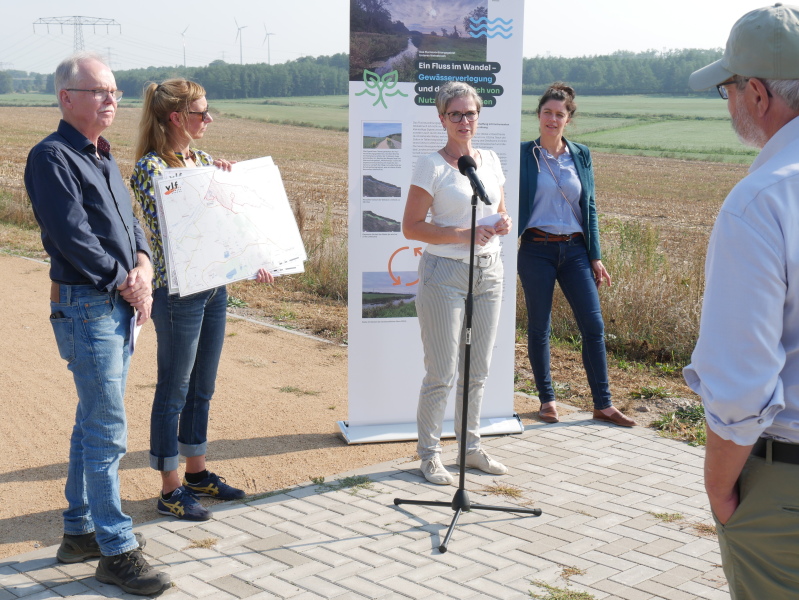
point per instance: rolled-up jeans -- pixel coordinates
(540, 264)
(190, 331)
(441, 308)
(92, 330)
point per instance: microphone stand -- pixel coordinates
(460, 501)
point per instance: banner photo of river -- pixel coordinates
(401, 52)
(389, 295)
(395, 37)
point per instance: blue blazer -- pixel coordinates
(528, 183)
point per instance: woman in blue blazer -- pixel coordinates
(560, 242)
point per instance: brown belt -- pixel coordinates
(55, 295)
(780, 451)
(543, 236)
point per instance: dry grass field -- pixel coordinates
(656, 215)
(314, 169)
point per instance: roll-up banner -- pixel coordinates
(401, 51)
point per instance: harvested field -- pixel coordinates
(678, 198)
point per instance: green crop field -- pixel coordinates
(678, 106)
(689, 127)
(675, 127)
(27, 100)
(328, 112)
(702, 140)
(37, 99)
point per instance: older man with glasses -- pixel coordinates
(746, 362)
(101, 280)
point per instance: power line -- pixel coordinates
(77, 23)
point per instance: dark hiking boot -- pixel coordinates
(77, 548)
(131, 572)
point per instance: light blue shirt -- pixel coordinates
(746, 362)
(551, 211)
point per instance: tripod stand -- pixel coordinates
(460, 501)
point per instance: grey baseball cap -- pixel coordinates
(763, 43)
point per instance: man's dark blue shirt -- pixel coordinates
(83, 209)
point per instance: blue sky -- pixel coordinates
(151, 33)
(378, 129)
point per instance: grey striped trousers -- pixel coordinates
(441, 307)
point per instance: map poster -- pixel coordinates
(219, 227)
(400, 53)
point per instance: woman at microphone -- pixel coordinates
(560, 242)
(439, 188)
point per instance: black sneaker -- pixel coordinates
(77, 548)
(132, 573)
(215, 487)
(183, 504)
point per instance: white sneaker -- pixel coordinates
(434, 471)
(483, 462)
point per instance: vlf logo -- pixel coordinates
(172, 187)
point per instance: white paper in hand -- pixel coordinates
(135, 329)
(490, 220)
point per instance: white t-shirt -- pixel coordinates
(452, 198)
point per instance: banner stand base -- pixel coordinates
(406, 432)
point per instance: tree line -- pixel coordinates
(622, 72)
(306, 76)
(650, 72)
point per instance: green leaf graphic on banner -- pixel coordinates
(374, 81)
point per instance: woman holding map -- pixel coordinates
(438, 187)
(190, 330)
(560, 242)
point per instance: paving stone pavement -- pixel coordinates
(599, 487)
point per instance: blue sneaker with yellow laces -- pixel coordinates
(214, 486)
(183, 504)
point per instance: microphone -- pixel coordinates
(467, 166)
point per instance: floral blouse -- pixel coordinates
(146, 170)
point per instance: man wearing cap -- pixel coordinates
(746, 362)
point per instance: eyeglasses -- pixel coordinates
(735, 80)
(457, 117)
(723, 89)
(203, 113)
(100, 95)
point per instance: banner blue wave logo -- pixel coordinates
(491, 28)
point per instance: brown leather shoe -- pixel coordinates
(548, 412)
(615, 418)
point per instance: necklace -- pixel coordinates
(190, 155)
(448, 154)
(457, 157)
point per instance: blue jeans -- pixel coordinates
(92, 330)
(190, 331)
(540, 265)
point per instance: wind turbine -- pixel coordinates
(240, 37)
(183, 35)
(266, 41)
